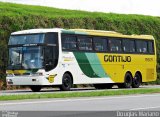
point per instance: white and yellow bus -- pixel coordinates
(60, 57)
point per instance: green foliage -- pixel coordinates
(14, 17)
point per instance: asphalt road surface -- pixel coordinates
(110, 103)
(80, 107)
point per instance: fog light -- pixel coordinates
(9, 81)
(35, 80)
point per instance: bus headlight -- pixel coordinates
(9, 81)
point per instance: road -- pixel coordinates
(55, 90)
(110, 103)
(81, 107)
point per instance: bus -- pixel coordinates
(64, 57)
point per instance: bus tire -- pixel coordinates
(136, 81)
(35, 88)
(127, 81)
(66, 82)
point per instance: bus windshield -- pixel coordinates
(25, 57)
(33, 51)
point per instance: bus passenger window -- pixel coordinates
(85, 43)
(69, 42)
(100, 44)
(115, 45)
(150, 47)
(128, 45)
(141, 46)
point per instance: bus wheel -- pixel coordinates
(35, 88)
(127, 81)
(66, 82)
(136, 81)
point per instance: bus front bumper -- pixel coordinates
(28, 80)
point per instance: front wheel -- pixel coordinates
(35, 88)
(66, 83)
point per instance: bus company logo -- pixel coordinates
(9, 114)
(117, 58)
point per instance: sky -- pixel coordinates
(144, 7)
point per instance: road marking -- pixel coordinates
(144, 108)
(80, 99)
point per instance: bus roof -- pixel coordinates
(84, 32)
(32, 31)
(112, 34)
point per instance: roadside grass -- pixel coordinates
(81, 94)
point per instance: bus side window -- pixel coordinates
(115, 45)
(141, 46)
(150, 47)
(128, 45)
(85, 43)
(100, 44)
(69, 42)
